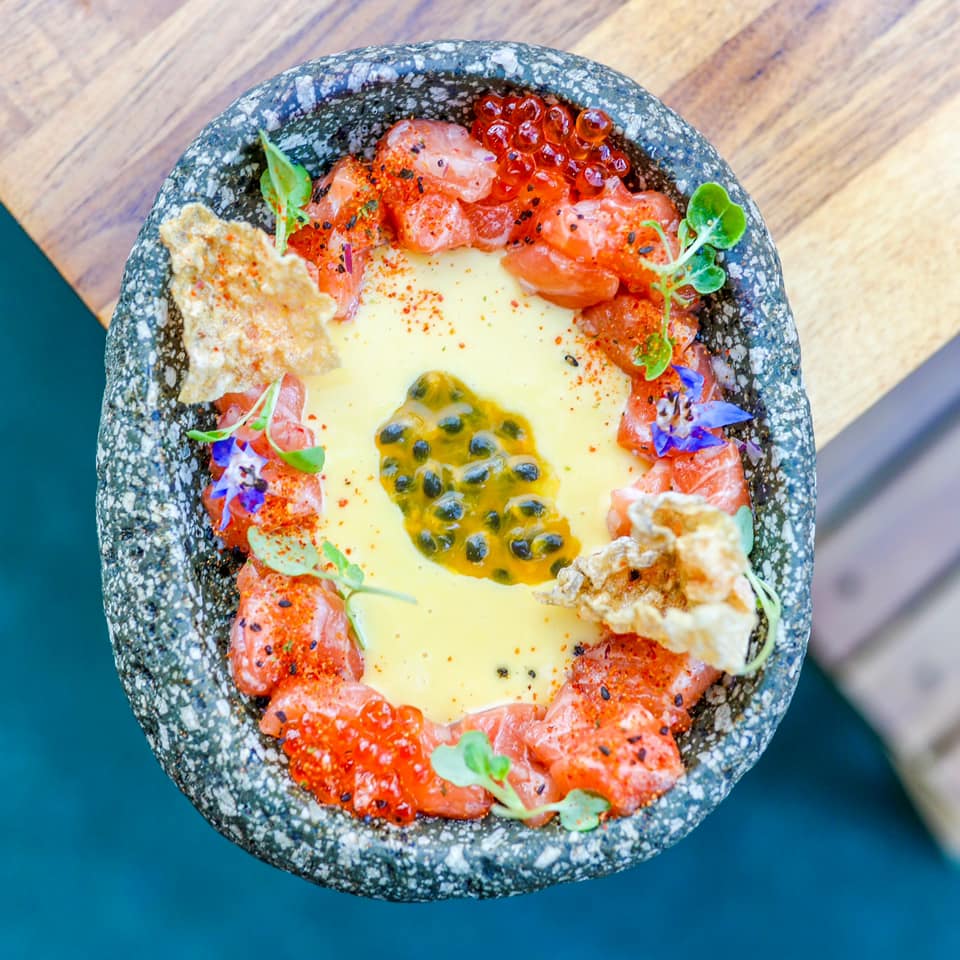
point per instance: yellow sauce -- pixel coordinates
(469, 643)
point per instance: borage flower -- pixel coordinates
(241, 478)
(684, 423)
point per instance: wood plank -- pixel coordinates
(868, 285)
(871, 569)
(811, 93)
(907, 681)
(877, 443)
(933, 782)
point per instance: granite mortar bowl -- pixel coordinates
(169, 594)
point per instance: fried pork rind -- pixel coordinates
(250, 315)
(677, 579)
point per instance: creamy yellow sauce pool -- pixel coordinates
(468, 643)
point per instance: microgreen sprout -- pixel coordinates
(713, 222)
(767, 598)
(309, 460)
(294, 557)
(471, 762)
(286, 186)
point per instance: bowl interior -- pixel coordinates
(169, 594)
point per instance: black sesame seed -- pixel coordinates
(541, 788)
(631, 238)
(605, 693)
(503, 672)
(678, 700)
(532, 674)
(642, 754)
(527, 470)
(403, 483)
(284, 603)
(421, 450)
(634, 575)
(268, 650)
(432, 485)
(406, 174)
(281, 716)
(451, 424)
(579, 650)
(255, 627)
(521, 549)
(604, 749)
(380, 804)
(477, 475)
(477, 548)
(391, 433)
(635, 739)
(346, 797)
(571, 359)
(293, 669)
(664, 731)
(643, 251)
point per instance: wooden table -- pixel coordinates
(842, 118)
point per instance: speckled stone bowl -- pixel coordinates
(169, 594)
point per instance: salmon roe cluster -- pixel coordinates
(527, 134)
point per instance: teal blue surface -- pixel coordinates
(815, 854)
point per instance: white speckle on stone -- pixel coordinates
(506, 58)
(306, 95)
(722, 719)
(548, 856)
(143, 330)
(188, 717)
(128, 501)
(228, 806)
(455, 861)
(170, 376)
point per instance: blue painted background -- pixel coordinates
(816, 853)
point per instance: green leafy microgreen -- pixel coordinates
(767, 598)
(294, 558)
(743, 518)
(286, 186)
(655, 356)
(471, 762)
(713, 222)
(309, 460)
(715, 217)
(286, 555)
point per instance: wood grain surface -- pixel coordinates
(842, 117)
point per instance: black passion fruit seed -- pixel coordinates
(482, 445)
(450, 425)
(477, 549)
(391, 433)
(527, 470)
(432, 485)
(451, 461)
(421, 450)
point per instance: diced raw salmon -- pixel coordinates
(288, 626)
(432, 223)
(506, 727)
(558, 278)
(716, 474)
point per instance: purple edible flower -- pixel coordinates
(241, 476)
(683, 423)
